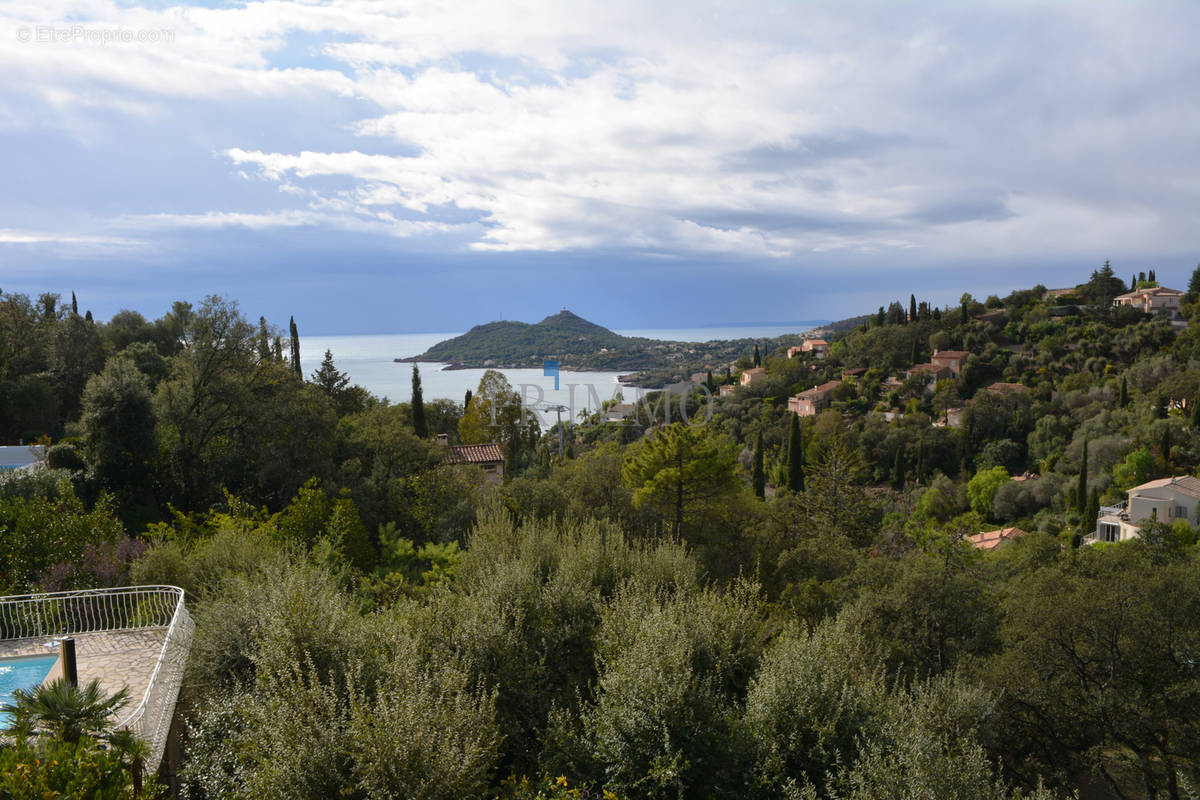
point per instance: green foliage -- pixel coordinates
(32, 770)
(420, 428)
(981, 489)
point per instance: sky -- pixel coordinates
(377, 167)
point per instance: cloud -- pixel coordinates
(768, 131)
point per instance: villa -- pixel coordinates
(1165, 500)
(810, 401)
(818, 347)
(753, 377)
(1153, 300)
(952, 360)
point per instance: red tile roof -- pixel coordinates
(990, 540)
(474, 453)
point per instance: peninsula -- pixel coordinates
(577, 344)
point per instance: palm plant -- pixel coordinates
(63, 711)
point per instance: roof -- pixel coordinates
(931, 367)
(1149, 290)
(854, 371)
(1184, 484)
(990, 540)
(754, 370)
(814, 342)
(824, 388)
(952, 354)
(474, 453)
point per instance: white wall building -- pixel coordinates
(1164, 500)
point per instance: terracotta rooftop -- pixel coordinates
(1184, 484)
(1150, 290)
(824, 388)
(990, 540)
(474, 453)
(952, 354)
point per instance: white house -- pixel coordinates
(1165, 500)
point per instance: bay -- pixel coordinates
(368, 360)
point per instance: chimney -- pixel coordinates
(443, 440)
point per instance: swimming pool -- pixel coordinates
(21, 673)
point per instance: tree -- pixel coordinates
(795, 464)
(63, 711)
(912, 308)
(760, 480)
(1102, 287)
(418, 405)
(1091, 513)
(981, 489)
(1193, 290)
(898, 479)
(329, 379)
(466, 401)
(118, 428)
(494, 412)
(1081, 492)
(757, 356)
(684, 474)
(295, 334)
(1124, 399)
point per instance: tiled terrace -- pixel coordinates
(117, 658)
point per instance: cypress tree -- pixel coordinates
(1193, 290)
(1196, 413)
(710, 383)
(1124, 392)
(466, 401)
(920, 476)
(1141, 277)
(898, 470)
(882, 314)
(795, 466)
(1133, 283)
(757, 357)
(88, 315)
(912, 308)
(937, 314)
(916, 353)
(418, 405)
(1160, 410)
(1081, 490)
(964, 312)
(1091, 513)
(760, 478)
(1164, 446)
(295, 334)
(74, 305)
(1151, 278)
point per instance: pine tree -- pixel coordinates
(760, 478)
(1081, 490)
(295, 334)
(912, 308)
(418, 405)
(757, 357)
(329, 379)
(1124, 392)
(898, 470)
(795, 465)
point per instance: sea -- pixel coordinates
(368, 360)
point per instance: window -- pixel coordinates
(1181, 512)
(1109, 532)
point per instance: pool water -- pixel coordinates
(21, 673)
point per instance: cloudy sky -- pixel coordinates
(423, 166)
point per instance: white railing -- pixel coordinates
(110, 610)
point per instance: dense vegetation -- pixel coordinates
(751, 605)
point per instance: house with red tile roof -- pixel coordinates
(951, 360)
(1153, 300)
(810, 401)
(990, 540)
(489, 456)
